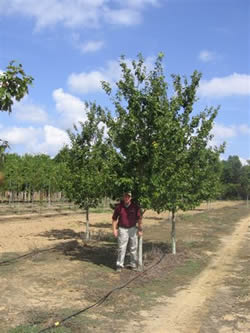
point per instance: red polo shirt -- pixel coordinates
(127, 216)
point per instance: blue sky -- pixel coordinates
(68, 46)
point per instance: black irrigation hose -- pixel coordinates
(26, 255)
(99, 302)
(103, 299)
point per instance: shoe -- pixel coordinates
(133, 268)
(118, 269)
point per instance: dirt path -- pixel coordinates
(185, 313)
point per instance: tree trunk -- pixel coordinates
(12, 198)
(209, 204)
(173, 234)
(29, 194)
(87, 224)
(49, 196)
(32, 196)
(247, 200)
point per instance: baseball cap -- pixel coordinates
(128, 193)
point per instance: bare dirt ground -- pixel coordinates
(218, 300)
(24, 233)
(52, 283)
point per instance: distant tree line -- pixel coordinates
(235, 179)
(27, 174)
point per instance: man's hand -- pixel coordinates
(115, 228)
(140, 232)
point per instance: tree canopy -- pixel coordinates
(88, 162)
(235, 178)
(14, 84)
(162, 145)
(159, 143)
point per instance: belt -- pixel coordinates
(126, 227)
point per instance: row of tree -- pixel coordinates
(156, 146)
(29, 174)
(235, 179)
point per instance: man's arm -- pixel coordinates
(114, 226)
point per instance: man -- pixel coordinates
(124, 220)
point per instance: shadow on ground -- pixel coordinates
(101, 249)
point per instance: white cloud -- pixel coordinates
(91, 46)
(55, 136)
(149, 63)
(139, 3)
(50, 12)
(207, 56)
(20, 135)
(234, 84)
(50, 141)
(85, 83)
(70, 108)
(87, 46)
(224, 132)
(124, 16)
(244, 129)
(78, 13)
(91, 82)
(244, 161)
(47, 139)
(27, 111)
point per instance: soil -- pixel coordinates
(218, 300)
(27, 232)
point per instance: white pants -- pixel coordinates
(125, 236)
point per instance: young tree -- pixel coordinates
(88, 164)
(132, 128)
(212, 187)
(13, 178)
(164, 153)
(3, 146)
